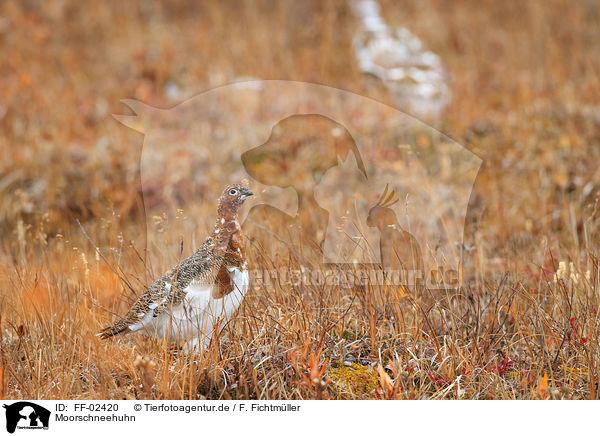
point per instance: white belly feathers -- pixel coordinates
(192, 322)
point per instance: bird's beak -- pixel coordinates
(248, 193)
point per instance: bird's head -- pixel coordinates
(232, 198)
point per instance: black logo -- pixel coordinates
(26, 415)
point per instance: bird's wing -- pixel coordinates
(170, 290)
(145, 303)
(196, 273)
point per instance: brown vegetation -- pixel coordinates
(525, 99)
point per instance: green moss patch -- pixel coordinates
(357, 379)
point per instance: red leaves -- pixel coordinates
(439, 381)
(573, 323)
(504, 366)
(572, 335)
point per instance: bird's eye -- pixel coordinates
(232, 191)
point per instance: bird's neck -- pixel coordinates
(226, 224)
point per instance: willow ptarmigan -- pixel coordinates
(202, 292)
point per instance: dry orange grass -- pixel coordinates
(525, 86)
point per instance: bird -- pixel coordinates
(199, 295)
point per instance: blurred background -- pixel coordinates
(516, 83)
(521, 77)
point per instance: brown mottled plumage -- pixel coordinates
(193, 288)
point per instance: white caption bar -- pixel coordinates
(284, 417)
